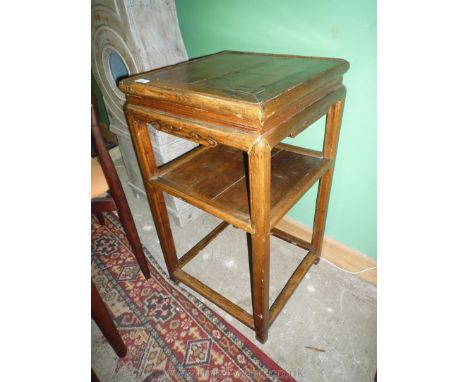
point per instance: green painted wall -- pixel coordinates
(331, 28)
(103, 117)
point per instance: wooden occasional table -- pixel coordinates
(239, 107)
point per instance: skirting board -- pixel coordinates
(339, 254)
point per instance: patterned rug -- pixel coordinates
(170, 334)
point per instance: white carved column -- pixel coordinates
(129, 37)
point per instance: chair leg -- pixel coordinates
(100, 205)
(100, 217)
(94, 377)
(104, 321)
(118, 195)
(132, 235)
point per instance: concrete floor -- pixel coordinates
(330, 309)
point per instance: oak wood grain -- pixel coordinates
(291, 285)
(215, 297)
(237, 88)
(148, 167)
(330, 145)
(195, 250)
(260, 201)
(240, 106)
(215, 180)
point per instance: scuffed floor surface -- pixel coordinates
(330, 310)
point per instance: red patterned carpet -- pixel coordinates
(170, 335)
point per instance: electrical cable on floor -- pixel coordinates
(344, 270)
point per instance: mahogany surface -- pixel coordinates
(104, 321)
(239, 107)
(119, 200)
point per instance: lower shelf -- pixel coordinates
(214, 179)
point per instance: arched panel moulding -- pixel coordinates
(130, 37)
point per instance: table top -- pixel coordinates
(238, 88)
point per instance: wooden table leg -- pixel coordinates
(104, 321)
(332, 133)
(259, 183)
(163, 228)
(147, 161)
